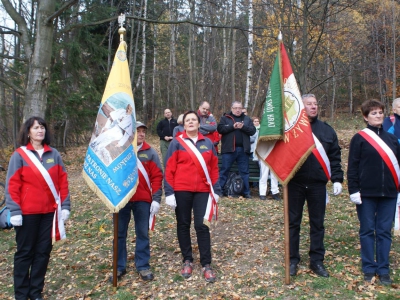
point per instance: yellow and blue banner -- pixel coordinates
(110, 167)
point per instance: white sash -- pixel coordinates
(392, 164)
(50, 183)
(323, 159)
(142, 170)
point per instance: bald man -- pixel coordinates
(165, 129)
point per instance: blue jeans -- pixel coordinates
(376, 217)
(141, 214)
(242, 161)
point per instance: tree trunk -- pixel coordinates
(190, 56)
(233, 52)
(143, 72)
(249, 80)
(155, 73)
(39, 67)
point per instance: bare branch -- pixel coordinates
(14, 57)
(63, 8)
(6, 30)
(11, 85)
(22, 26)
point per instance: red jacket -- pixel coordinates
(24, 194)
(181, 174)
(151, 162)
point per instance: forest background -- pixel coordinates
(55, 57)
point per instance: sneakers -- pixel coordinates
(209, 275)
(385, 279)
(187, 269)
(276, 197)
(263, 197)
(119, 275)
(146, 275)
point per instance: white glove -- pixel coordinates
(356, 198)
(65, 214)
(337, 188)
(171, 201)
(216, 198)
(154, 208)
(16, 220)
(398, 199)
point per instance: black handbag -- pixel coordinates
(5, 216)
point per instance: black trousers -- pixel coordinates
(316, 203)
(33, 253)
(185, 202)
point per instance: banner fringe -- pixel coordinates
(267, 138)
(104, 199)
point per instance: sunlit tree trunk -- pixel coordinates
(155, 73)
(233, 52)
(190, 56)
(249, 57)
(143, 72)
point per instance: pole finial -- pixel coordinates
(280, 36)
(121, 30)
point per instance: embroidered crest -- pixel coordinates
(144, 155)
(203, 147)
(50, 160)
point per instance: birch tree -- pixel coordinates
(249, 76)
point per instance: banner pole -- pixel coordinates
(286, 233)
(115, 251)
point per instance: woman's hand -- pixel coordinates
(16, 220)
(356, 198)
(171, 201)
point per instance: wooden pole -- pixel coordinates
(286, 229)
(115, 251)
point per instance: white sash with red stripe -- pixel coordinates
(212, 207)
(384, 151)
(57, 215)
(152, 219)
(320, 154)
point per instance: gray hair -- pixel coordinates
(238, 102)
(308, 96)
(395, 102)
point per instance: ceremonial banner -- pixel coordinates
(110, 166)
(285, 137)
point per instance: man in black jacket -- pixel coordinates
(165, 129)
(309, 183)
(236, 129)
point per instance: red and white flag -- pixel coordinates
(285, 138)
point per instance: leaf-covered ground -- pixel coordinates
(247, 248)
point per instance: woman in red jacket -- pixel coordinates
(191, 184)
(34, 169)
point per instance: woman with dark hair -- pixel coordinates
(38, 197)
(373, 182)
(192, 155)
